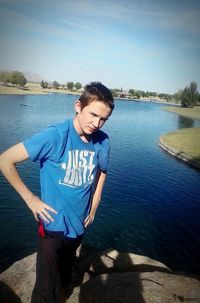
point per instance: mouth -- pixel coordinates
(92, 129)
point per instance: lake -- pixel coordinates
(150, 204)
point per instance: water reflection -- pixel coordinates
(185, 122)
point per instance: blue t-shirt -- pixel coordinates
(68, 167)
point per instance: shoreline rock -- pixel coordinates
(106, 277)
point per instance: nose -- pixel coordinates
(97, 122)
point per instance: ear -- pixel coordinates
(77, 107)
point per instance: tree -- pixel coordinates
(44, 84)
(189, 96)
(178, 94)
(115, 92)
(78, 85)
(55, 84)
(165, 96)
(70, 85)
(132, 92)
(141, 93)
(17, 78)
(137, 95)
(5, 78)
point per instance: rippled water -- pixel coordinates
(151, 202)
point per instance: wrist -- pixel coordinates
(92, 213)
(28, 197)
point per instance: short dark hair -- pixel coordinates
(96, 91)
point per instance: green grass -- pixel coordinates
(193, 113)
(28, 89)
(185, 141)
(33, 89)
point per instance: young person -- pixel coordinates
(74, 158)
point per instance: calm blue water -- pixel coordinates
(151, 202)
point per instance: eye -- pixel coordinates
(93, 115)
(104, 119)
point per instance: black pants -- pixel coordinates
(55, 258)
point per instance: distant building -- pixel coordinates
(124, 94)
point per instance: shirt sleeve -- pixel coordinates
(104, 155)
(42, 145)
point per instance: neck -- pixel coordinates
(84, 137)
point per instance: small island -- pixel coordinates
(184, 143)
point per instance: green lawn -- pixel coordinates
(185, 141)
(32, 89)
(193, 113)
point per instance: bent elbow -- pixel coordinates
(5, 162)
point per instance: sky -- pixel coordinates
(146, 45)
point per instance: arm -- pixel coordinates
(100, 180)
(8, 161)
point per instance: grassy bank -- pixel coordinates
(184, 143)
(193, 113)
(28, 90)
(32, 89)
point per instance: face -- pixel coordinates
(92, 117)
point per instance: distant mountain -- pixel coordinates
(30, 77)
